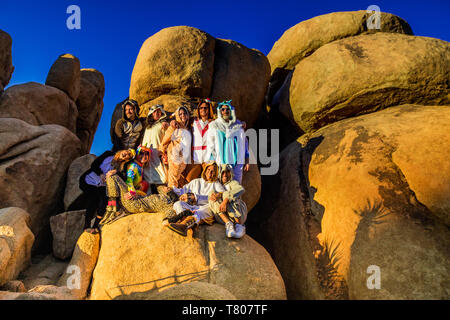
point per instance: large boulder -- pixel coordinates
(304, 38)
(157, 258)
(363, 74)
(241, 75)
(195, 290)
(64, 74)
(66, 229)
(16, 240)
(39, 104)
(90, 105)
(72, 192)
(251, 181)
(170, 103)
(176, 60)
(83, 262)
(365, 194)
(182, 64)
(6, 66)
(33, 166)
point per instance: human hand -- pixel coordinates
(174, 124)
(129, 196)
(110, 173)
(184, 197)
(223, 205)
(247, 167)
(165, 125)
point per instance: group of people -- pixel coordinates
(189, 167)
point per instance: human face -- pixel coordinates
(144, 157)
(129, 112)
(225, 111)
(204, 110)
(156, 114)
(226, 175)
(209, 173)
(183, 115)
(125, 155)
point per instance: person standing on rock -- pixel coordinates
(129, 129)
(199, 128)
(155, 127)
(228, 207)
(226, 141)
(176, 147)
(193, 207)
(93, 183)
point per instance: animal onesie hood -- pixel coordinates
(227, 143)
(177, 144)
(199, 134)
(236, 206)
(127, 132)
(201, 188)
(135, 181)
(155, 172)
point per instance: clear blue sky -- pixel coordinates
(112, 32)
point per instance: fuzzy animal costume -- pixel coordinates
(227, 143)
(155, 172)
(127, 133)
(200, 188)
(236, 207)
(177, 145)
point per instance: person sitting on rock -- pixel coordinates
(176, 146)
(93, 184)
(156, 125)
(129, 129)
(228, 207)
(227, 143)
(137, 185)
(121, 202)
(192, 207)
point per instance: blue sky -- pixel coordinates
(112, 32)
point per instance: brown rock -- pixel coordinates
(66, 229)
(6, 66)
(170, 103)
(14, 286)
(38, 104)
(368, 192)
(241, 75)
(34, 162)
(64, 74)
(84, 259)
(176, 60)
(44, 270)
(195, 290)
(72, 191)
(409, 69)
(251, 181)
(304, 38)
(208, 257)
(16, 240)
(90, 105)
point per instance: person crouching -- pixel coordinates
(228, 207)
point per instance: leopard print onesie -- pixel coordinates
(117, 188)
